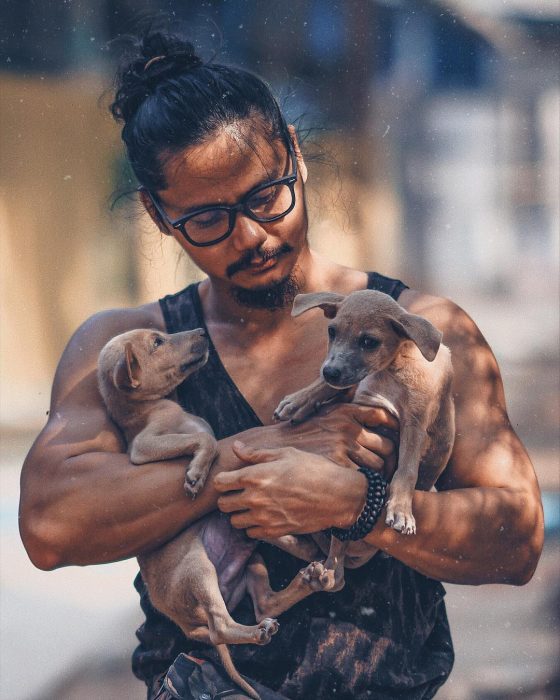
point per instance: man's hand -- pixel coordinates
(342, 433)
(287, 491)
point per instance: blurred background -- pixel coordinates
(438, 125)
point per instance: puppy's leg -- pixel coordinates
(401, 489)
(301, 404)
(268, 603)
(299, 546)
(332, 579)
(150, 447)
(183, 584)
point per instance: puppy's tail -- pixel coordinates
(233, 673)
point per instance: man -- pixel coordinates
(84, 502)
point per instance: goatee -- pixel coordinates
(272, 297)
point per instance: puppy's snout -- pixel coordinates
(331, 374)
(200, 346)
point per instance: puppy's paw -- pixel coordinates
(266, 629)
(295, 408)
(400, 519)
(193, 487)
(318, 577)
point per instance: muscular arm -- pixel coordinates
(84, 502)
(483, 525)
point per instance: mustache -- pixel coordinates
(261, 256)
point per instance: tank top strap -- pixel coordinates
(388, 285)
(180, 310)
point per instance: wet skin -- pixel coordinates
(83, 502)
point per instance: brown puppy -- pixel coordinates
(196, 578)
(136, 371)
(392, 359)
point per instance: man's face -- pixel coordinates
(256, 257)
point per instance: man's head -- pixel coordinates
(219, 168)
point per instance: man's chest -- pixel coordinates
(267, 369)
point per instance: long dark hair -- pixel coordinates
(169, 99)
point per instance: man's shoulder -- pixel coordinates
(454, 322)
(111, 322)
(93, 333)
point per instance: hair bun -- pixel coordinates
(168, 49)
(166, 62)
(147, 62)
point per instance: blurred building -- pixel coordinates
(442, 117)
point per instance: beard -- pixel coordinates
(275, 296)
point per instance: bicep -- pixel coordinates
(78, 421)
(486, 452)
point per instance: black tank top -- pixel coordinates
(385, 635)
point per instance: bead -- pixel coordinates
(375, 500)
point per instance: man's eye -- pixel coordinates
(367, 342)
(263, 197)
(213, 217)
(331, 332)
(158, 340)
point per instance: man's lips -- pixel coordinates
(262, 265)
(253, 262)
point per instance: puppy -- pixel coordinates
(389, 358)
(201, 574)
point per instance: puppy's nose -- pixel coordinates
(331, 374)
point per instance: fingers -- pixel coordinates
(232, 481)
(379, 444)
(232, 502)
(373, 417)
(255, 455)
(364, 458)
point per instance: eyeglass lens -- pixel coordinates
(264, 205)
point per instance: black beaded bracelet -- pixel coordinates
(375, 500)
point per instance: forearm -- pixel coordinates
(470, 536)
(97, 507)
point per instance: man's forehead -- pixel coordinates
(230, 153)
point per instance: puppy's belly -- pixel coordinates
(229, 550)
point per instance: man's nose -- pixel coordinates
(247, 234)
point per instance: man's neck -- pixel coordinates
(313, 273)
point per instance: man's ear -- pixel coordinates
(127, 373)
(152, 211)
(297, 150)
(328, 301)
(426, 337)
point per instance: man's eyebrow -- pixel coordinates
(276, 174)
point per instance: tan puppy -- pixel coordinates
(201, 574)
(136, 371)
(390, 358)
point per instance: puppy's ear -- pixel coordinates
(426, 337)
(328, 301)
(127, 373)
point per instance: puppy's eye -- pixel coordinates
(367, 342)
(332, 332)
(158, 340)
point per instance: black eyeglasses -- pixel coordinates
(214, 223)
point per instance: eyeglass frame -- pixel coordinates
(179, 224)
